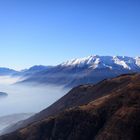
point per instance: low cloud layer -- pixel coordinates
(26, 99)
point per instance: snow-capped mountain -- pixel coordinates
(91, 69)
(112, 62)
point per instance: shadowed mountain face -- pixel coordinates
(77, 96)
(109, 110)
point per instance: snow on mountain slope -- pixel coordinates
(138, 61)
(111, 62)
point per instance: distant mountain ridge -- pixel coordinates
(91, 69)
(32, 70)
(7, 71)
(111, 62)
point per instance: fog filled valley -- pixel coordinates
(25, 99)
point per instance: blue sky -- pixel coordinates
(48, 32)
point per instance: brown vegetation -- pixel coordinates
(113, 115)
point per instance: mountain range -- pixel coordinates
(69, 74)
(109, 110)
(91, 69)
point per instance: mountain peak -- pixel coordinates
(96, 61)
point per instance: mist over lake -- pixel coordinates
(26, 98)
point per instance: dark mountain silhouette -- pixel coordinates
(109, 110)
